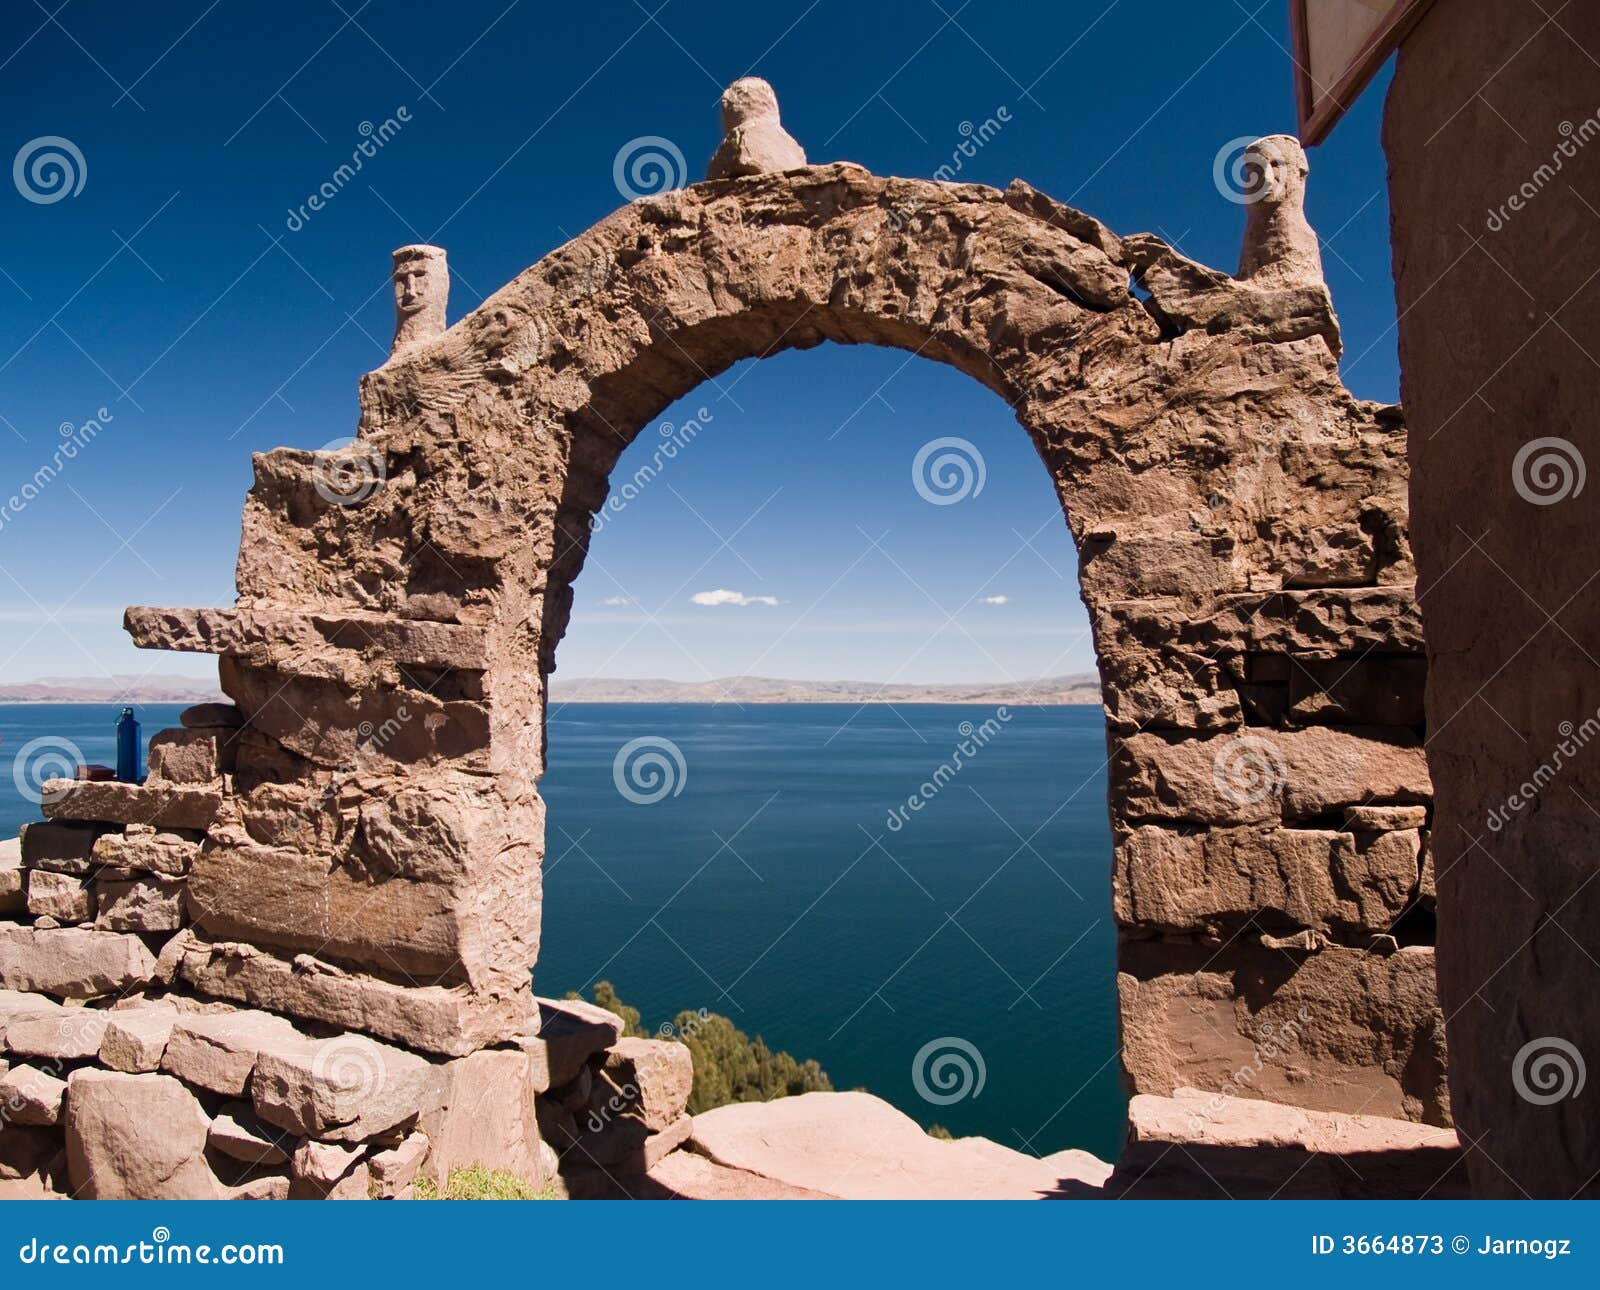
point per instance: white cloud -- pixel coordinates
(724, 597)
(996, 600)
(616, 600)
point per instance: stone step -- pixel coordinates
(1196, 1144)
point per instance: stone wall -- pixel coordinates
(368, 858)
(1492, 130)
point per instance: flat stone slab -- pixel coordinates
(72, 962)
(436, 1019)
(112, 802)
(239, 1133)
(60, 1034)
(854, 1146)
(682, 1175)
(61, 847)
(1199, 1144)
(219, 1052)
(277, 638)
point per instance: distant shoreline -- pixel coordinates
(1076, 689)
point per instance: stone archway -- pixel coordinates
(1241, 522)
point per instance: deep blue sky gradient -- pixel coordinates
(171, 292)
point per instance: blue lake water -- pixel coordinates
(769, 887)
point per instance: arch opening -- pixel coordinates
(856, 875)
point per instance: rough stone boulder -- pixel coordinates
(654, 1078)
(136, 1137)
(346, 1089)
(12, 898)
(569, 1032)
(1211, 1145)
(485, 1115)
(857, 1147)
(31, 1095)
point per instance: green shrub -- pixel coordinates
(729, 1066)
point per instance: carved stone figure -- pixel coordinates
(421, 291)
(754, 140)
(1280, 248)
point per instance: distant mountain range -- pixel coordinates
(126, 688)
(1082, 687)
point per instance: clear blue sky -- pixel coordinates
(170, 292)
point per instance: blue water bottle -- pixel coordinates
(129, 747)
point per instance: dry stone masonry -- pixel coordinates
(297, 960)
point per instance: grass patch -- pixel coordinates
(474, 1182)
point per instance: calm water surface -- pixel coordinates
(770, 888)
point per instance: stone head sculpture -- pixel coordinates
(754, 141)
(421, 291)
(1280, 248)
